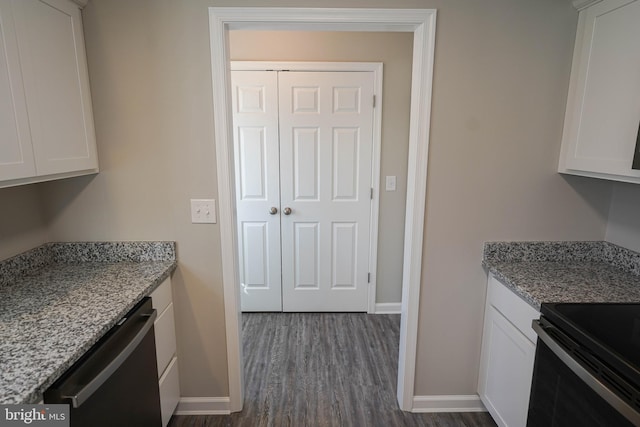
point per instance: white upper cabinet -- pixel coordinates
(603, 108)
(16, 155)
(47, 122)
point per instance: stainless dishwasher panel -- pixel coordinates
(116, 382)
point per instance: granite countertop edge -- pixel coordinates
(59, 299)
(506, 280)
(572, 271)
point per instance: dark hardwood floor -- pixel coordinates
(323, 369)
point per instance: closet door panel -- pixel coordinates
(326, 142)
(256, 151)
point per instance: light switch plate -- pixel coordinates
(390, 184)
(203, 211)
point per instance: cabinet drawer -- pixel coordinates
(165, 338)
(515, 309)
(169, 391)
(161, 297)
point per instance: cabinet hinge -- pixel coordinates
(374, 101)
(368, 277)
(371, 193)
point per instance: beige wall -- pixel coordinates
(151, 88)
(395, 51)
(623, 227)
(501, 76)
(22, 223)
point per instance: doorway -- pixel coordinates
(307, 150)
(421, 23)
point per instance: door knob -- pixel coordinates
(273, 210)
(286, 211)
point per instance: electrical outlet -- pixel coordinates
(390, 183)
(203, 211)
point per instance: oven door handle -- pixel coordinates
(594, 383)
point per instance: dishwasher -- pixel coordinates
(116, 382)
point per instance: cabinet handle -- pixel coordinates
(286, 211)
(273, 210)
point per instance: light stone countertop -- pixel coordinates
(541, 272)
(57, 300)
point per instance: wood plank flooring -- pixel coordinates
(323, 369)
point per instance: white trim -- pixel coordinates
(583, 4)
(203, 406)
(388, 308)
(377, 69)
(221, 85)
(319, 19)
(420, 122)
(448, 403)
(376, 161)
(419, 21)
(81, 3)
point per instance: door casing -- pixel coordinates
(420, 22)
(377, 69)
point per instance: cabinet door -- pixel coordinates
(506, 370)
(54, 67)
(603, 110)
(16, 156)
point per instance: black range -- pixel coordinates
(587, 367)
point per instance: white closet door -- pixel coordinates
(255, 124)
(326, 121)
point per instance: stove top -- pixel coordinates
(610, 331)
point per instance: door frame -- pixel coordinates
(377, 69)
(420, 22)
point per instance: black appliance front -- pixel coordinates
(560, 398)
(586, 370)
(116, 382)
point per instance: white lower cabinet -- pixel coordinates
(165, 335)
(169, 391)
(508, 352)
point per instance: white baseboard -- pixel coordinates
(388, 307)
(203, 406)
(452, 403)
